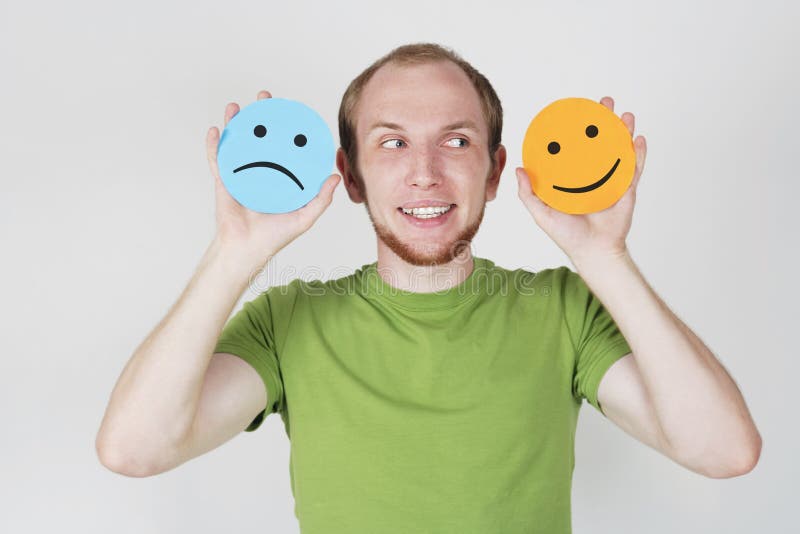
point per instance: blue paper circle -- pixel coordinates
(274, 155)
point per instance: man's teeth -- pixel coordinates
(427, 212)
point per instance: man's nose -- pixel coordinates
(425, 172)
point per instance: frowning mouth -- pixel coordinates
(589, 187)
(271, 165)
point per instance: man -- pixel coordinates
(431, 391)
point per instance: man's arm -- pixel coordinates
(232, 395)
(677, 397)
(150, 415)
(173, 401)
(671, 388)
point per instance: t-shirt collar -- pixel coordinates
(374, 287)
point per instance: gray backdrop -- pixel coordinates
(106, 207)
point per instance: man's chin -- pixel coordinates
(431, 253)
(427, 255)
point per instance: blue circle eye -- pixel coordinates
(300, 140)
(259, 131)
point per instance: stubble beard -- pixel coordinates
(428, 254)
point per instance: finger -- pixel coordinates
(263, 94)
(212, 141)
(629, 120)
(640, 155)
(231, 110)
(608, 102)
(640, 147)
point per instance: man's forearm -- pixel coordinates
(155, 399)
(699, 406)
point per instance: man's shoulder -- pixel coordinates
(340, 282)
(524, 279)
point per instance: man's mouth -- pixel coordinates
(427, 212)
(271, 165)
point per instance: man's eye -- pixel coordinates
(393, 143)
(458, 142)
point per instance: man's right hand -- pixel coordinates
(255, 237)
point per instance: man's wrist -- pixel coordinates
(594, 260)
(236, 260)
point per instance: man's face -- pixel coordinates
(423, 157)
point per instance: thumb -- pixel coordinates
(533, 203)
(311, 211)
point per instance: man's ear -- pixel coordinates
(494, 179)
(351, 183)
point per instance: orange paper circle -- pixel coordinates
(579, 156)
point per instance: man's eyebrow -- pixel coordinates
(384, 124)
(465, 124)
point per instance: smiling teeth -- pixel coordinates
(427, 212)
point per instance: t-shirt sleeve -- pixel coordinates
(250, 335)
(596, 338)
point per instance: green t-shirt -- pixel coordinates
(442, 412)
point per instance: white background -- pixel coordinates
(106, 207)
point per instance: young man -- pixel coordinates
(430, 391)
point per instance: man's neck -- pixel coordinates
(400, 274)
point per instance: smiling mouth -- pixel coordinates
(271, 165)
(589, 187)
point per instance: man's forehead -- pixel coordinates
(439, 92)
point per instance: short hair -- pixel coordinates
(418, 54)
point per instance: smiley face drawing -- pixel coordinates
(274, 155)
(579, 156)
